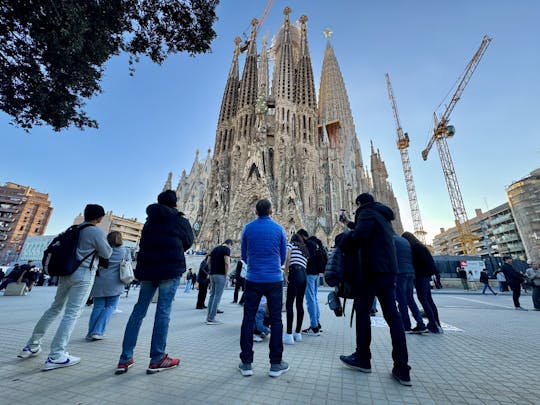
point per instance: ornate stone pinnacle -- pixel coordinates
(254, 23)
(287, 11)
(237, 40)
(303, 19)
(327, 33)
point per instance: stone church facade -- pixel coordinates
(275, 141)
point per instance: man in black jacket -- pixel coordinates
(373, 235)
(203, 278)
(514, 280)
(160, 264)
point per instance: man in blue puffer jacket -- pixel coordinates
(264, 249)
(165, 237)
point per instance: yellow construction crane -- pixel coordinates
(442, 131)
(258, 23)
(403, 147)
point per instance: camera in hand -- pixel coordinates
(342, 215)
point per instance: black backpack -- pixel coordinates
(60, 257)
(318, 256)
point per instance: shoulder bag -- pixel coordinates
(126, 270)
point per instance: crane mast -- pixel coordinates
(403, 147)
(441, 132)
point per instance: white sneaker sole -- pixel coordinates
(54, 366)
(277, 373)
(26, 355)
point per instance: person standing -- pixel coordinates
(484, 279)
(107, 288)
(165, 237)
(264, 249)
(501, 279)
(239, 282)
(189, 281)
(514, 279)
(424, 268)
(462, 274)
(405, 286)
(203, 278)
(296, 279)
(219, 263)
(373, 237)
(72, 292)
(315, 265)
(533, 274)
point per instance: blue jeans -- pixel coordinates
(382, 286)
(167, 290)
(405, 299)
(259, 321)
(486, 286)
(274, 299)
(311, 300)
(188, 286)
(217, 285)
(423, 292)
(72, 292)
(102, 311)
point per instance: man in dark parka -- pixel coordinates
(165, 237)
(373, 235)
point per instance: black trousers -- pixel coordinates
(382, 286)
(516, 292)
(296, 290)
(201, 297)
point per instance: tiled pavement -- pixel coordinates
(488, 355)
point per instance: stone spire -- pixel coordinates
(168, 183)
(230, 95)
(263, 79)
(336, 118)
(282, 87)
(382, 189)
(248, 85)
(304, 86)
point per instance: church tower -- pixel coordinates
(382, 189)
(274, 141)
(343, 160)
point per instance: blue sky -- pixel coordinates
(152, 123)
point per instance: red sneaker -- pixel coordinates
(165, 363)
(123, 366)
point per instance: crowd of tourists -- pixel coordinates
(387, 268)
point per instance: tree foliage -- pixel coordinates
(52, 52)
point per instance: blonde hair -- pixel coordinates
(114, 238)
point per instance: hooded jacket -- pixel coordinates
(373, 233)
(165, 237)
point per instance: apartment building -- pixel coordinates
(495, 233)
(24, 212)
(524, 198)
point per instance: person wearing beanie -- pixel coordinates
(372, 241)
(165, 237)
(74, 290)
(168, 198)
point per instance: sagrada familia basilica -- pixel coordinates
(275, 141)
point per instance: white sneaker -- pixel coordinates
(288, 339)
(297, 337)
(257, 338)
(27, 351)
(64, 361)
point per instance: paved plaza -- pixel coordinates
(488, 355)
